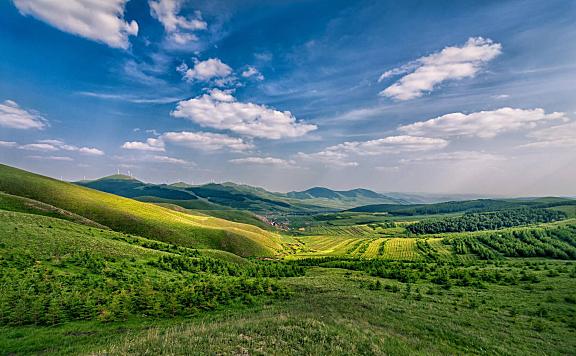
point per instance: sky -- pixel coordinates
(412, 96)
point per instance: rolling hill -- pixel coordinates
(225, 196)
(134, 217)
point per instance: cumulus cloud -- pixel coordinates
(451, 63)
(15, 117)
(205, 70)
(264, 161)
(555, 136)
(206, 141)
(252, 72)
(151, 144)
(179, 29)
(483, 124)
(220, 110)
(101, 21)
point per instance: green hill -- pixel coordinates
(143, 219)
(215, 197)
(475, 206)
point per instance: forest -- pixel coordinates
(486, 221)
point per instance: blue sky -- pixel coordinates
(418, 96)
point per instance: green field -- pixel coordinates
(338, 311)
(86, 272)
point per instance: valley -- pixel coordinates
(90, 272)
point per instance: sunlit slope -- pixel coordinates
(148, 220)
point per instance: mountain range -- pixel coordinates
(229, 195)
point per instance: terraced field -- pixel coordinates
(385, 248)
(354, 230)
(374, 249)
(401, 249)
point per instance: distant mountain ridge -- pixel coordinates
(358, 193)
(218, 196)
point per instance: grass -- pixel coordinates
(377, 291)
(332, 311)
(148, 220)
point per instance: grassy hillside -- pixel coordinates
(55, 271)
(148, 220)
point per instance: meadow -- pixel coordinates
(343, 311)
(78, 277)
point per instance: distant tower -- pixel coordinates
(118, 170)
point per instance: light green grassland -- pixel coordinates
(148, 220)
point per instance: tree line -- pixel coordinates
(486, 221)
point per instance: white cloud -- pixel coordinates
(101, 21)
(205, 141)
(391, 144)
(53, 158)
(341, 155)
(451, 63)
(15, 117)
(164, 159)
(252, 72)
(205, 70)
(131, 98)
(220, 110)
(555, 136)
(265, 161)
(151, 144)
(455, 156)
(8, 144)
(178, 28)
(88, 151)
(483, 124)
(149, 158)
(57, 145)
(39, 147)
(327, 158)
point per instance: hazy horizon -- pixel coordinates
(293, 95)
